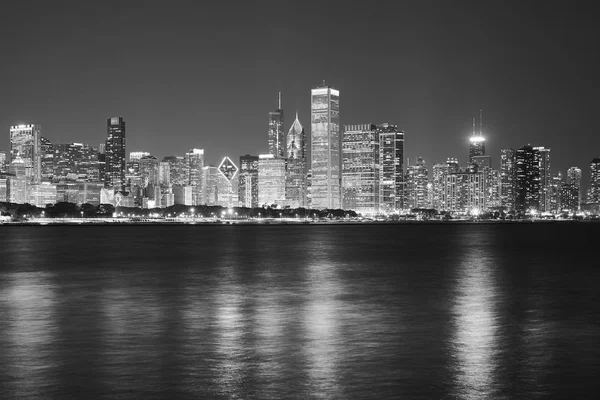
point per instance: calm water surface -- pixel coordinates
(306, 312)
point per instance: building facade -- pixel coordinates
(527, 183)
(325, 162)
(248, 181)
(295, 184)
(25, 143)
(276, 133)
(115, 153)
(271, 179)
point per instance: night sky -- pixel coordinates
(189, 74)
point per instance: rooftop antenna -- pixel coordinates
(296, 114)
(324, 83)
(279, 101)
(473, 126)
(480, 122)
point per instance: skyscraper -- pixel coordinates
(594, 187)
(507, 179)
(248, 181)
(360, 169)
(194, 161)
(325, 148)
(277, 143)
(416, 184)
(295, 186)
(527, 180)
(227, 192)
(46, 160)
(115, 153)
(545, 177)
(271, 179)
(574, 178)
(136, 155)
(25, 144)
(390, 159)
(477, 146)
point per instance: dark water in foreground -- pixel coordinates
(332, 312)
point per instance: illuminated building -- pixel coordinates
(527, 183)
(271, 179)
(277, 143)
(360, 172)
(248, 181)
(25, 143)
(42, 194)
(182, 195)
(439, 174)
(210, 176)
(390, 143)
(508, 177)
(545, 177)
(89, 192)
(194, 162)
(477, 142)
(325, 162)
(227, 184)
(148, 171)
(136, 155)
(569, 198)
(101, 162)
(164, 174)
(17, 189)
(482, 162)
(494, 188)
(574, 178)
(295, 187)
(3, 189)
(554, 192)
(46, 160)
(177, 170)
(67, 192)
(115, 153)
(167, 197)
(76, 162)
(416, 184)
(593, 195)
(2, 161)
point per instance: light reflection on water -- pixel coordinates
(294, 312)
(476, 337)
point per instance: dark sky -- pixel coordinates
(199, 74)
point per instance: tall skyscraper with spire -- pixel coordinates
(477, 146)
(325, 148)
(276, 133)
(295, 186)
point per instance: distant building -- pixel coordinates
(477, 142)
(545, 177)
(527, 180)
(148, 170)
(115, 153)
(194, 161)
(277, 145)
(594, 186)
(46, 160)
(42, 194)
(210, 187)
(325, 148)
(508, 176)
(182, 195)
(178, 173)
(416, 184)
(271, 179)
(574, 178)
(164, 174)
(554, 193)
(17, 190)
(25, 144)
(372, 168)
(227, 184)
(75, 162)
(569, 198)
(136, 155)
(248, 181)
(295, 186)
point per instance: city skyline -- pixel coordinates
(179, 109)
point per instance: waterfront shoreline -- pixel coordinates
(74, 222)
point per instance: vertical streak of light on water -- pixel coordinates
(31, 330)
(321, 323)
(475, 317)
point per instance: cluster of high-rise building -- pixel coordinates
(355, 167)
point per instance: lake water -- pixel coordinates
(301, 312)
